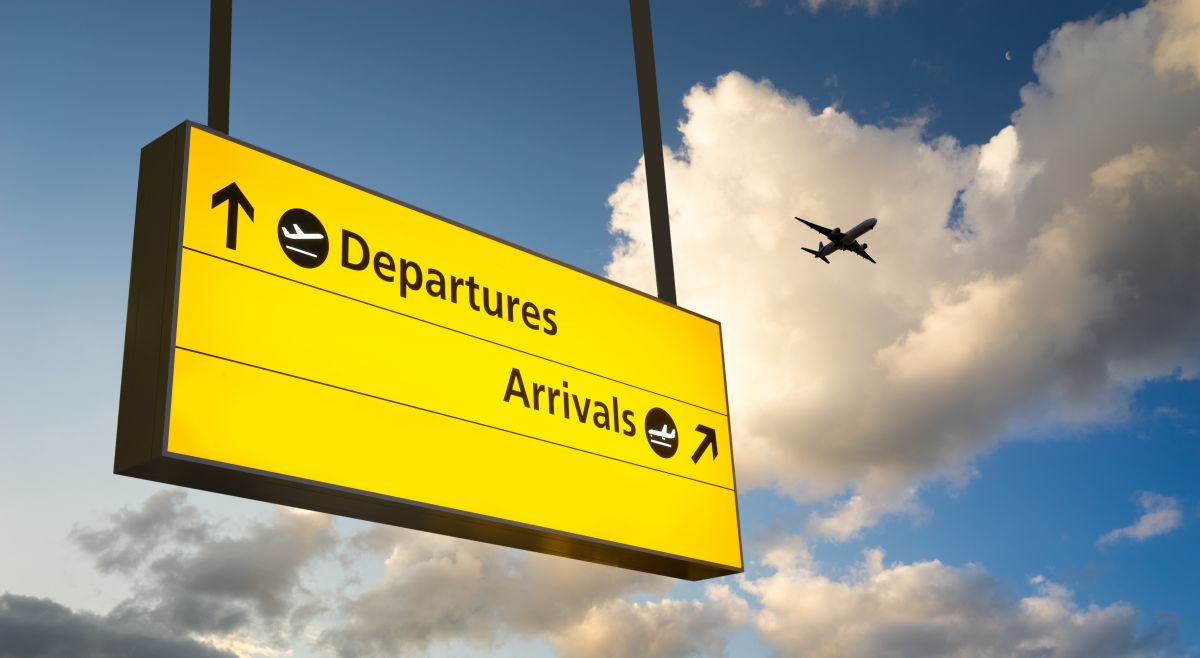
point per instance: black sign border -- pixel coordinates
(148, 365)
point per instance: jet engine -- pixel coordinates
(864, 246)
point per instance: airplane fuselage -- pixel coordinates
(849, 239)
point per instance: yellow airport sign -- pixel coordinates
(298, 339)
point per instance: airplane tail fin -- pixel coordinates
(816, 254)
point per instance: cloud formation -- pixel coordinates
(1161, 514)
(436, 589)
(928, 609)
(847, 518)
(132, 535)
(1179, 48)
(190, 579)
(870, 6)
(226, 583)
(1021, 290)
(40, 628)
(667, 628)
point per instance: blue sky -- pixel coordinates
(520, 119)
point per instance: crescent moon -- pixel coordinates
(1008, 55)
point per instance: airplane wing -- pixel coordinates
(818, 228)
(863, 252)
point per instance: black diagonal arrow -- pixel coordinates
(710, 439)
(232, 194)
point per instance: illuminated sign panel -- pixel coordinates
(297, 339)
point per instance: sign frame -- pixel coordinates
(147, 377)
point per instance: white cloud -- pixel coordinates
(1161, 514)
(667, 628)
(436, 589)
(1069, 282)
(131, 536)
(870, 6)
(1179, 48)
(242, 646)
(928, 610)
(850, 516)
(229, 583)
(190, 579)
(40, 628)
(439, 592)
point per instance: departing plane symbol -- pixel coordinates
(298, 233)
(303, 238)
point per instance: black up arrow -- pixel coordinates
(232, 194)
(710, 439)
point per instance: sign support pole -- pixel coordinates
(656, 183)
(220, 29)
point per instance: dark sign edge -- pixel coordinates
(144, 408)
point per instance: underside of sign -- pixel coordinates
(297, 339)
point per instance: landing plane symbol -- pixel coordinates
(666, 433)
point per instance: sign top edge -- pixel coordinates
(189, 124)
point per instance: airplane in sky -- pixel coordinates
(847, 241)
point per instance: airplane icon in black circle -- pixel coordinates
(661, 433)
(303, 238)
